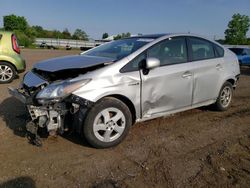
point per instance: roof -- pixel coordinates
(153, 36)
(239, 48)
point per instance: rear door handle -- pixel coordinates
(218, 67)
(187, 74)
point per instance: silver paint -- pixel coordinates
(152, 63)
(165, 90)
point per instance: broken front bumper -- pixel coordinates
(46, 115)
(19, 95)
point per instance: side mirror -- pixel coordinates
(152, 63)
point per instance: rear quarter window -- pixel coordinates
(219, 51)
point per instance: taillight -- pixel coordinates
(15, 44)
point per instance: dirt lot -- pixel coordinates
(197, 148)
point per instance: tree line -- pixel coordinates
(26, 34)
(235, 34)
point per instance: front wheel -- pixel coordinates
(225, 97)
(107, 123)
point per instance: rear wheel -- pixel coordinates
(107, 123)
(225, 97)
(7, 72)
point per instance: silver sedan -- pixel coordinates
(102, 92)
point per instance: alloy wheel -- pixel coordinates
(6, 73)
(226, 96)
(109, 124)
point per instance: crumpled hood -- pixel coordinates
(71, 62)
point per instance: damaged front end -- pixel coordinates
(51, 104)
(47, 90)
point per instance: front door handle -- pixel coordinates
(187, 74)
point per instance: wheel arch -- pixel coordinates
(232, 81)
(228, 79)
(9, 62)
(127, 102)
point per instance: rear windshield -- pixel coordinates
(119, 49)
(237, 51)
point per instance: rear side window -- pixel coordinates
(219, 51)
(201, 49)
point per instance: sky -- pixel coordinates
(203, 17)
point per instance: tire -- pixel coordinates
(7, 72)
(223, 103)
(107, 123)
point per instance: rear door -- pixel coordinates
(168, 87)
(207, 69)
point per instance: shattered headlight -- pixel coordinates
(60, 90)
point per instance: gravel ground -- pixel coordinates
(197, 148)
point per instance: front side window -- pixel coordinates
(119, 49)
(170, 51)
(201, 49)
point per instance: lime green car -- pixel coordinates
(11, 62)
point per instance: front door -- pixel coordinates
(168, 87)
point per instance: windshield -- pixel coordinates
(237, 51)
(119, 49)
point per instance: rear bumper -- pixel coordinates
(20, 64)
(22, 68)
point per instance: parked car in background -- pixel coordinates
(11, 61)
(45, 45)
(68, 47)
(105, 90)
(243, 55)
